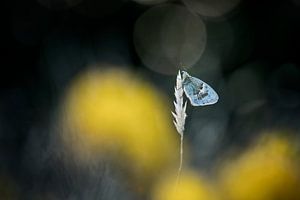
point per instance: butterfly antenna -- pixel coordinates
(182, 67)
(180, 64)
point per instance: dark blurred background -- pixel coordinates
(247, 50)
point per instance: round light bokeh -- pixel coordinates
(211, 8)
(169, 36)
(59, 4)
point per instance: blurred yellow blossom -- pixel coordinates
(190, 187)
(269, 170)
(113, 113)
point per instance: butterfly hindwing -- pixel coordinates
(198, 92)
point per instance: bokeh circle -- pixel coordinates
(211, 8)
(169, 36)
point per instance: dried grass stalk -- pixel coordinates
(179, 116)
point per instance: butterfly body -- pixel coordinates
(198, 92)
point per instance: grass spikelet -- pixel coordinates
(180, 106)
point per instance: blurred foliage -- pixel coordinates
(268, 170)
(190, 186)
(113, 112)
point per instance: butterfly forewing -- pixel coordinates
(198, 92)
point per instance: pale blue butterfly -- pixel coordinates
(198, 92)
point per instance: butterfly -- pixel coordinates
(198, 92)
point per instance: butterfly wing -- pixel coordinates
(199, 92)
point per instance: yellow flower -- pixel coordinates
(268, 170)
(113, 114)
(190, 187)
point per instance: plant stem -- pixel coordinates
(181, 160)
